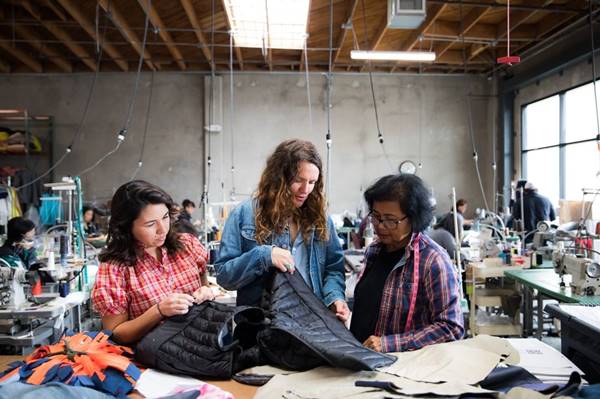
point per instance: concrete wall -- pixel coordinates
(174, 145)
(423, 118)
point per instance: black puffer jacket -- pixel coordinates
(212, 340)
(295, 331)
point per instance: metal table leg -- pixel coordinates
(540, 315)
(527, 311)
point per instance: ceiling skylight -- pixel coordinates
(278, 24)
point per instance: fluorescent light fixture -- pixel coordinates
(422, 56)
(278, 24)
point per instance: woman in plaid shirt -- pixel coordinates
(409, 293)
(147, 271)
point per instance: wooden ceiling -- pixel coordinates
(50, 36)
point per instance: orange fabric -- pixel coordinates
(96, 355)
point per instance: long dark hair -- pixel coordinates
(275, 199)
(411, 194)
(16, 229)
(126, 205)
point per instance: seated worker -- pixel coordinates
(18, 247)
(397, 306)
(90, 228)
(188, 209)
(284, 228)
(447, 222)
(147, 270)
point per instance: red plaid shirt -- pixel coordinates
(133, 290)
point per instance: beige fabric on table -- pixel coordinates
(265, 370)
(326, 382)
(445, 362)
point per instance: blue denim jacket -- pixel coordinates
(243, 264)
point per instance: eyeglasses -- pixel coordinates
(388, 224)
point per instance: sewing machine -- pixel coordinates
(585, 272)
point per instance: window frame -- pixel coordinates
(561, 131)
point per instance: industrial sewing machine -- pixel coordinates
(585, 272)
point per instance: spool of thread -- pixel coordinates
(63, 288)
(50, 264)
(64, 249)
(212, 256)
(36, 288)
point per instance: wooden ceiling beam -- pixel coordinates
(50, 4)
(451, 30)
(4, 66)
(121, 23)
(433, 12)
(164, 34)
(455, 57)
(193, 18)
(517, 18)
(21, 55)
(60, 34)
(32, 39)
(381, 30)
(350, 11)
(73, 9)
(302, 52)
(238, 51)
(468, 22)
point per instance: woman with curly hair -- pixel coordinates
(148, 271)
(284, 228)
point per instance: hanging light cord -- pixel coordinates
(146, 123)
(86, 108)
(231, 115)
(308, 95)
(379, 134)
(123, 132)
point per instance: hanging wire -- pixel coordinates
(594, 78)
(494, 137)
(379, 134)
(123, 131)
(328, 138)
(231, 114)
(86, 108)
(308, 96)
(475, 156)
(146, 123)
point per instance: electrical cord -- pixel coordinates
(123, 132)
(146, 123)
(86, 108)
(379, 134)
(231, 114)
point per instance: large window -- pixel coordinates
(559, 152)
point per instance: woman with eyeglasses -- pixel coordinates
(408, 295)
(18, 247)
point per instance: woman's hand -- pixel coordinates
(340, 308)
(202, 294)
(175, 304)
(373, 343)
(282, 259)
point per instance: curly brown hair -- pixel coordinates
(126, 205)
(275, 199)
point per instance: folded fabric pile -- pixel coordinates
(86, 359)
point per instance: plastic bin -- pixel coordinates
(580, 341)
